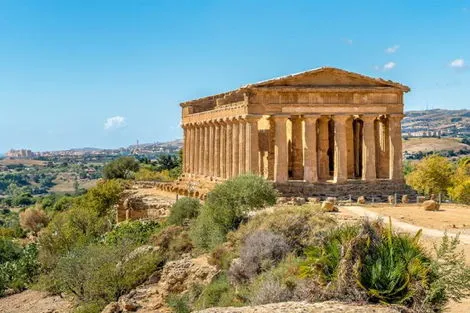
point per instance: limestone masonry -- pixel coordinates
(309, 133)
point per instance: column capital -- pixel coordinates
(252, 118)
(396, 117)
(311, 118)
(341, 118)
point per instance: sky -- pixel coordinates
(108, 73)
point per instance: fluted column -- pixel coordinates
(396, 170)
(200, 154)
(241, 146)
(280, 149)
(369, 171)
(310, 149)
(235, 151)
(252, 145)
(323, 145)
(297, 148)
(341, 165)
(216, 163)
(211, 149)
(192, 148)
(206, 150)
(222, 149)
(228, 150)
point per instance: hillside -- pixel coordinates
(438, 122)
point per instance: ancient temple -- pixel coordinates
(308, 133)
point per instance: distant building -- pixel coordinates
(20, 154)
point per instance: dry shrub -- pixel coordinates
(261, 251)
(298, 225)
(172, 241)
(221, 257)
(33, 219)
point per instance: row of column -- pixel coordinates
(221, 148)
(315, 158)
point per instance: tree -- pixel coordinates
(33, 219)
(432, 175)
(460, 191)
(123, 167)
(166, 162)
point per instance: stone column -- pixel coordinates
(323, 145)
(228, 150)
(368, 148)
(252, 145)
(241, 146)
(396, 170)
(200, 155)
(216, 164)
(211, 148)
(341, 148)
(235, 151)
(185, 148)
(297, 147)
(222, 149)
(310, 149)
(193, 149)
(280, 149)
(206, 150)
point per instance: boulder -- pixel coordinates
(420, 199)
(431, 205)
(331, 199)
(329, 206)
(314, 200)
(113, 307)
(405, 199)
(361, 200)
(391, 199)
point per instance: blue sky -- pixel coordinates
(106, 73)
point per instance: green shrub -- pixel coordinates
(179, 303)
(123, 168)
(184, 209)
(131, 232)
(299, 226)
(172, 242)
(99, 274)
(19, 267)
(219, 293)
(371, 262)
(227, 206)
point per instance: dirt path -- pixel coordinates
(404, 226)
(31, 301)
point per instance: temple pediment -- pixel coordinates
(328, 77)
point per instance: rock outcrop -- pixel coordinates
(304, 307)
(176, 277)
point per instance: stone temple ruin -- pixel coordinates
(321, 132)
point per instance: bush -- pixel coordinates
(18, 266)
(182, 210)
(219, 293)
(227, 206)
(123, 168)
(432, 175)
(146, 174)
(261, 251)
(99, 274)
(33, 219)
(371, 262)
(172, 242)
(298, 225)
(178, 303)
(131, 232)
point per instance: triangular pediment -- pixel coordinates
(328, 77)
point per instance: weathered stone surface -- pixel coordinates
(304, 307)
(361, 200)
(113, 307)
(431, 205)
(270, 128)
(391, 199)
(405, 199)
(329, 206)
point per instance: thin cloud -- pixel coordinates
(457, 63)
(392, 49)
(388, 66)
(114, 122)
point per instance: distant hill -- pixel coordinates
(438, 122)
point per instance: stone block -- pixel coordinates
(420, 199)
(313, 200)
(329, 206)
(361, 200)
(431, 205)
(405, 199)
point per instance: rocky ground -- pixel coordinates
(304, 307)
(31, 301)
